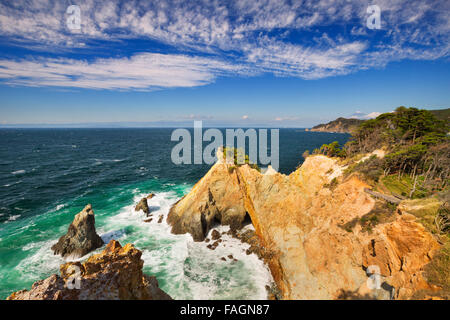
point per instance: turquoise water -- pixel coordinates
(47, 176)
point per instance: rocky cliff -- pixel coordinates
(115, 273)
(299, 218)
(197, 211)
(81, 237)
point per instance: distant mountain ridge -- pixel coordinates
(443, 114)
(346, 125)
(341, 125)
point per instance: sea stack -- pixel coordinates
(114, 274)
(143, 205)
(81, 238)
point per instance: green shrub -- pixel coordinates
(331, 150)
(237, 153)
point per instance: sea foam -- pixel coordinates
(188, 269)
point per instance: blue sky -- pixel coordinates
(241, 63)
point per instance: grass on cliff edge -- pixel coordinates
(404, 185)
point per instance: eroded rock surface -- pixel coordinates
(115, 273)
(217, 197)
(298, 220)
(81, 237)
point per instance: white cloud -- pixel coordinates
(239, 32)
(365, 116)
(197, 117)
(286, 119)
(141, 72)
(245, 117)
(373, 115)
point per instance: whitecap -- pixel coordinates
(40, 263)
(13, 217)
(112, 235)
(101, 161)
(18, 172)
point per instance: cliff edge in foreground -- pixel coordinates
(114, 274)
(301, 219)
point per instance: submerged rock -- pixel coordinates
(114, 274)
(81, 237)
(143, 205)
(215, 235)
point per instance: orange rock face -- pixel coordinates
(401, 249)
(197, 211)
(299, 218)
(114, 274)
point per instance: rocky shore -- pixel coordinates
(114, 274)
(299, 220)
(307, 229)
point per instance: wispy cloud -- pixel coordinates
(259, 36)
(145, 71)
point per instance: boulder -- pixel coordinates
(81, 237)
(114, 274)
(151, 195)
(143, 205)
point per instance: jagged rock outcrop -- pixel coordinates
(299, 220)
(143, 205)
(114, 274)
(217, 197)
(81, 238)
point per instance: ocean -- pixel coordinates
(49, 175)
